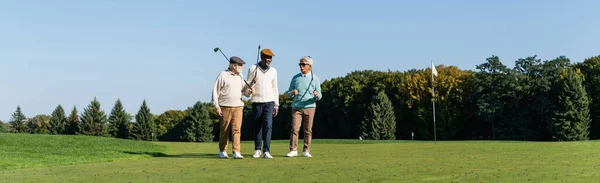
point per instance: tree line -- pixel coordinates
(550, 100)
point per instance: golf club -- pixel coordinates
(257, 60)
(219, 49)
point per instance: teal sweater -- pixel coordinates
(301, 83)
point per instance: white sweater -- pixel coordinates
(265, 88)
(228, 90)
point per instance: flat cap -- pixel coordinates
(236, 60)
(267, 51)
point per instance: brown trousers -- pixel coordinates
(231, 120)
(304, 117)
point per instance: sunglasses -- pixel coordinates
(302, 64)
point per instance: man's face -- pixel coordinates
(266, 59)
(304, 67)
(238, 68)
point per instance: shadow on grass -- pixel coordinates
(186, 155)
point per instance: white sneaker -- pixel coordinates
(256, 154)
(306, 154)
(292, 154)
(267, 155)
(237, 155)
(223, 155)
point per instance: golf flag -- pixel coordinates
(433, 70)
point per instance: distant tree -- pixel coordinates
(167, 121)
(379, 122)
(39, 124)
(93, 120)
(17, 123)
(58, 121)
(144, 128)
(198, 125)
(591, 71)
(2, 130)
(72, 123)
(119, 121)
(571, 119)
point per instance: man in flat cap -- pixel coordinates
(227, 99)
(305, 90)
(265, 102)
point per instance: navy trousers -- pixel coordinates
(263, 125)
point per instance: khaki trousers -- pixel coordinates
(231, 120)
(304, 117)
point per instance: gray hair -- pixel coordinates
(308, 60)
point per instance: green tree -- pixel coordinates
(93, 120)
(72, 123)
(495, 97)
(591, 71)
(39, 124)
(2, 130)
(144, 128)
(58, 121)
(379, 122)
(571, 118)
(119, 121)
(198, 125)
(17, 122)
(167, 121)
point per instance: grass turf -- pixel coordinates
(30, 151)
(345, 161)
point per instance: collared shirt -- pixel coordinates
(228, 90)
(305, 97)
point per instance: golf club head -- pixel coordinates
(216, 49)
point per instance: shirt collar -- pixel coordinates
(230, 72)
(306, 75)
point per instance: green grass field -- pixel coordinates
(333, 161)
(31, 151)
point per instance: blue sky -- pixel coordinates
(68, 52)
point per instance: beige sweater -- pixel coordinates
(265, 88)
(228, 90)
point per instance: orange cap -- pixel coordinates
(267, 52)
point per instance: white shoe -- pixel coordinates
(306, 154)
(237, 155)
(223, 155)
(267, 155)
(256, 154)
(292, 154)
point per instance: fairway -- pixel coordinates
(343, 161)
(30, 151)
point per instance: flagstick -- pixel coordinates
(433, 101)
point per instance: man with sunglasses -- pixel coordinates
(227, 99)
(265, 102)
(305, 90)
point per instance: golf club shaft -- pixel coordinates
(223, 55)
(257, 59)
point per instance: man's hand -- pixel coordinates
(316, 93)
(250, 91)
(275, 112)
(294, 92)
(219, 112)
